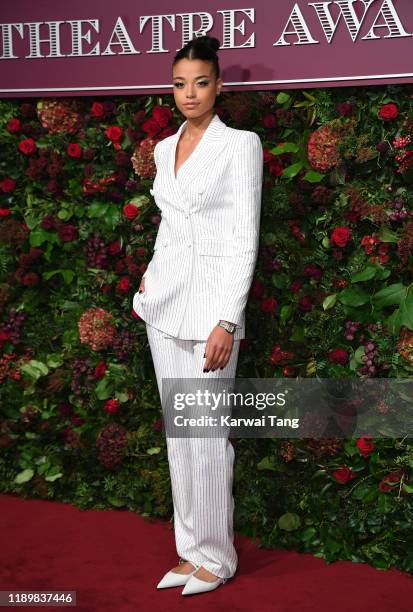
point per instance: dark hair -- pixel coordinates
(202, 48)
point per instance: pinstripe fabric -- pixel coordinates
(201, 469)
(207, 243)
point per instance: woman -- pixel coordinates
(193, 295)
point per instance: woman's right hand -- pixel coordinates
(142, 286)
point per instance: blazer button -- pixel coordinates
(189, 244)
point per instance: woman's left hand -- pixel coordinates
(218, 348)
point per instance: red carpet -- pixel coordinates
(114, 559)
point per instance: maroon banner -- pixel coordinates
(85, 47)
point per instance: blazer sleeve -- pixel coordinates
(155, 155)
(247, 175)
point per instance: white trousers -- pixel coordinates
(201, 469)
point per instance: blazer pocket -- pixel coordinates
(214, 247)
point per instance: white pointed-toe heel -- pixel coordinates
(173, 579)
(195, 585)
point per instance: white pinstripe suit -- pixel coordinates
(201, 271)
(207, 243)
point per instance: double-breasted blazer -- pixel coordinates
(207, 242)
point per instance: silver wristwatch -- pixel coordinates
(229, 327)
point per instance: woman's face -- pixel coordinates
(194, 82)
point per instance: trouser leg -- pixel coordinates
(212, 477)
(201, 469)
(172, 359)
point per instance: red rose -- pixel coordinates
(389, 112)
(275, 167)
(123, 285)
(76, 420)
(392, 477)
(114, 133)
(30, 279)
(365, 445)
(97, 109)
(305, 303)
(269, 304)
(257, 288)
(112, 406)
(158, 424)
(343, 474)
(7, 184)
(74, 150)
(151, 126)
(13, 125)
(65, 409)
(341, 235)
(4, 336)
(130, 211)
(162, 115)
(114, 247)
(279, 356)
(345, 109)
(68, 233)
(141, 251)
(339, 356)
(4, 212)
(27, 146)
(100, 370)
(296, 286)
(120, 266)
(313, 271)
(132, 268)
(267, 155)
(269, 121)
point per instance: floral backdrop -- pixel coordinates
(332, 297)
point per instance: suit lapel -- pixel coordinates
(207, 150)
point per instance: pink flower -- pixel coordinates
(96, 328)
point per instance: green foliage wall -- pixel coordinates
(332, 297)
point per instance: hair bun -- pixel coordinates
(209, 41)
